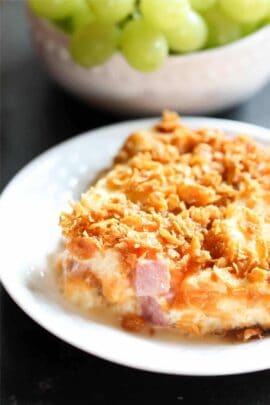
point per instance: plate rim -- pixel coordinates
(260, 132)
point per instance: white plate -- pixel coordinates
(30, 207)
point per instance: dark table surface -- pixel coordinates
(38, 368)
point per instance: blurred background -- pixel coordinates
(39, 110)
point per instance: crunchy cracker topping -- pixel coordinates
(186, 194)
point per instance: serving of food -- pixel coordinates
(162, 258)
(176, 234)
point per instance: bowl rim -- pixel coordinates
(260, 32)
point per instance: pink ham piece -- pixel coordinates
(152, 278)
(151, 311)
(170, 295)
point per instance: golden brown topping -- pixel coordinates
(195, 194)
(191, 196)
(82, 248)
(169, 123)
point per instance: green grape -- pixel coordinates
(135, 15)
(111, 10)
(267, 20)
(248, 28)
(221, 29)
(245, 10)
(190, 35)
(65, 24)
(54, 9)
(164, 14)
(82, 16)
(144, 47)
(202, 5)
(94, 43)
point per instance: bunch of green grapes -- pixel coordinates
(146, 31)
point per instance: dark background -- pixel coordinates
(38, 368)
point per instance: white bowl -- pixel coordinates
(197, 83)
